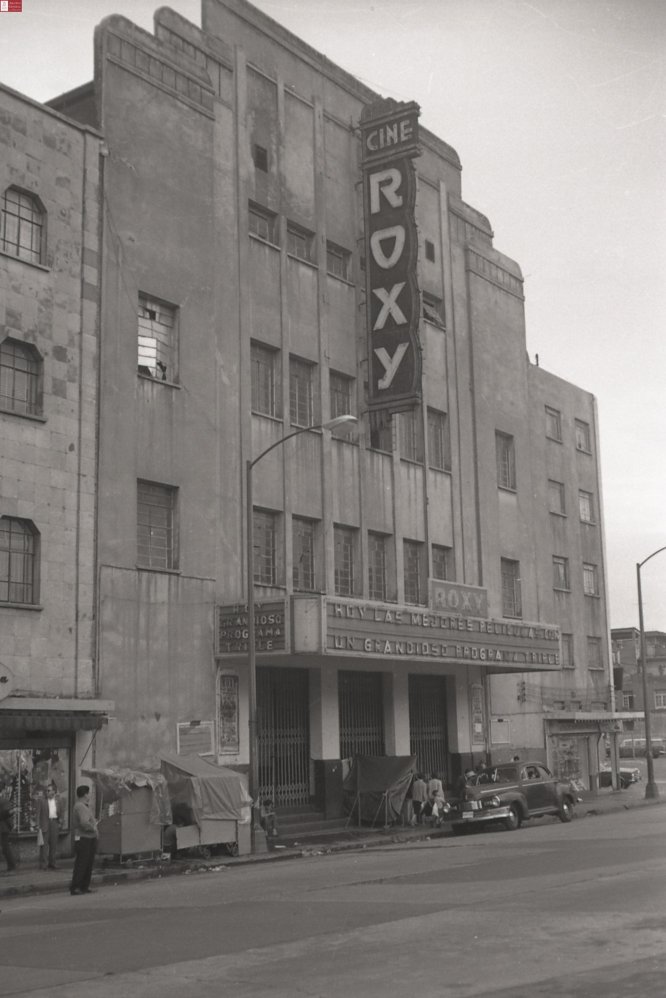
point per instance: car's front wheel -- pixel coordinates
(566, 810)
(513, 819)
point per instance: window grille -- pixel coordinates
(303, 545)
(411, 435)
(553, 424)
(338, 261)
(377, 566)
(511, 592)
(560, 573)
(556, 503)
(344, 542)
(590, 580)
(438, 440)
(22, 224)
(300, 243)
(265, 548)
(18, 561)
(582, 435)
(19, 378)
(442, 563)
(413, 572)
(263, 223)
(156, 507)
(303, 410)
(586, 506)
(506, 461)
(265, 380)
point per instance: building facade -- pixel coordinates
(431, 585)
(627, 665)
(49, 337)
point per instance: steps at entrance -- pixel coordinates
(305, 823)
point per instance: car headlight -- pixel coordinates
(493, 801)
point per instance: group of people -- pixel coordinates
(427, 796)
(49, 820)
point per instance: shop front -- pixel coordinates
(44, 742)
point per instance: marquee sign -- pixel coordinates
(231, 628)
(389, 134)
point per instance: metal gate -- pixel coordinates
(427, 723)
(283, 735)
(361, 714)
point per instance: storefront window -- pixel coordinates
(25, 772)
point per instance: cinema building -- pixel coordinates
(282, 247)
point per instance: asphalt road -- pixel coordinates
(548, 911)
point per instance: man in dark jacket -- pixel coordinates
(85, 842)
(6, 826)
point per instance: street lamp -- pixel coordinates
(651, 788)
(253, 781)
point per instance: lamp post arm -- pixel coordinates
(645, 560)
(282, 440)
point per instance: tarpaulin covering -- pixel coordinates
(209, 791)
(114, 783)
(376, 786)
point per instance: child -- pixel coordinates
(267, 817)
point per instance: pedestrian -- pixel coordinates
(435, 797)
(49, 820)
(419, 797)
(6, 826)
(85, 842)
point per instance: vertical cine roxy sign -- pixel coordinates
(389, 136)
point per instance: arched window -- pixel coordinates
(20, 373)
(22, 225)
(19, 553)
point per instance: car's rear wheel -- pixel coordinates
(513, 819)
(566, 810)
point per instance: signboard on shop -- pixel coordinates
(231, 628)
(389, 136)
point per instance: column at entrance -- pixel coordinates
(325, 741)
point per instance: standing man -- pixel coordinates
(49, 819)
(419, 797)
(5, 832)
(85, 842)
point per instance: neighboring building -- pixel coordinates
(413, 581)
(626, 647)
(49, 336)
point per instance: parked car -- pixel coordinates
(634, 747)
(627, 774)
(509, 794)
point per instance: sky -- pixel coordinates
(557, 109)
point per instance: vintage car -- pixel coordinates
(627, 775)
(509, 794)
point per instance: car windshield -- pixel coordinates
(504, 774)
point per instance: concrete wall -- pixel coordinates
(47, 461)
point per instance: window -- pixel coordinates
(20, 372)
(265, 376)
(411, 435)
(433, 310)
(568, 652)
(343, 402)
(338, 261)
(303, 550)
(300, 243)
(553, 424)
(381, 431)
(429, 250)
(377, 566)
(260, 158)
(414, 576)
(586, 506)
(560, 573)
(590, 580)
(263, 223)
(628, 701)
(303, 395)
(506, 461)
(583, 439)
(265, 548)
(594, 653)
(156, 519)
(439, 453)
(345, 554)
(442, 563)
(511, 597)
(19, 560)
(157, 339)
(556, 497)
(660, 701)
(22, 226)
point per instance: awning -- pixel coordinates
(44, 720)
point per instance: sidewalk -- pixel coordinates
(31, 880)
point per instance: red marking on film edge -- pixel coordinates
(13, 7)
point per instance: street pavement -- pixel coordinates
(29, 879)
(549, 911)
